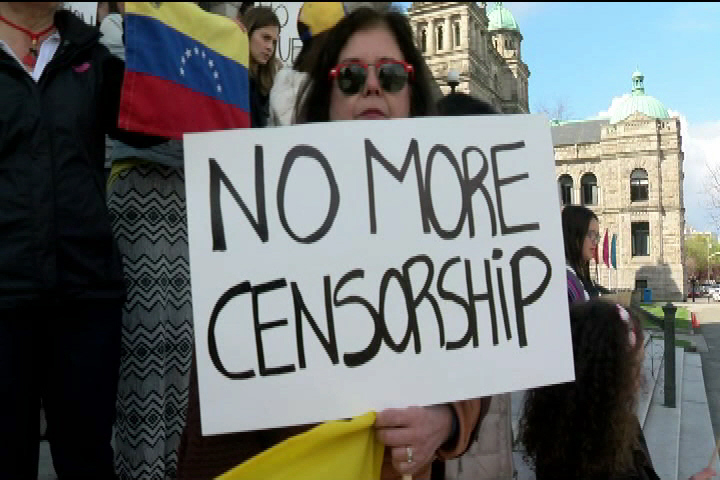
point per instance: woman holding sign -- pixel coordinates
(368, 68)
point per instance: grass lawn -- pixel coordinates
(682, 315)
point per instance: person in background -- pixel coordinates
(591, 421)
(581, 234)
(146, 200)
(263, 28)
(61, 280)
(314, 19)
(368, 68)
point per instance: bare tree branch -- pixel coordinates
(559, 110)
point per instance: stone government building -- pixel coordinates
(627, 168)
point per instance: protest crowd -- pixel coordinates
(96, 319)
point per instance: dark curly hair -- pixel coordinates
(587, 428)
(313, 103)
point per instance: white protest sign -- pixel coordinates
(289, 43)
(343, 267)
(87, 11)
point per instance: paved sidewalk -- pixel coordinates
(709, 320)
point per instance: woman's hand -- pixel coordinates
(705, 474)
(414, 434)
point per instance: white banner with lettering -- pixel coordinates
(344, 267)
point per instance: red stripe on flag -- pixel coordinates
(158, 107)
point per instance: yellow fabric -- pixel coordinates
(119, 167)
(342, 449)
(321, 16)
(217, 32)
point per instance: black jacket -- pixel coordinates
(259, 106)
(55, 234)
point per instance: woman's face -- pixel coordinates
(262, 44)
(371, 102)
(592, 237)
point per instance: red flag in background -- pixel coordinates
(606, 250)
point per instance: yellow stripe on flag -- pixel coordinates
(335, 450)
(217, 32)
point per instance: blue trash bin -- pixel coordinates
(647, 295)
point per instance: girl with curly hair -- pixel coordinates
(587, 429)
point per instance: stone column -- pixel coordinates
(448, 36)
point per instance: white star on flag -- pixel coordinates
(211, 64)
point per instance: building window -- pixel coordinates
(640, 283)
(589, 189)
(640, 234)
(565, 183)
(423, 40)
(638, 185)
(457, 34)
(439, 38)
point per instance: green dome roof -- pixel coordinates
(638, 102)
(500, 18)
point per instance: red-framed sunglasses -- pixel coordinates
(392, 75)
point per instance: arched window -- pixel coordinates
(638, 185)
(457, 34)
(423, 40)
(565, 184)
(439, 37)
(589, 189)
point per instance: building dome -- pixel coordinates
(500, 18)
(638, 102)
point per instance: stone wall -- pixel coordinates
(475, 58)
(653, 145)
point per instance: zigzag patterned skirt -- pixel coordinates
(147, 206)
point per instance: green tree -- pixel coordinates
(696, 257)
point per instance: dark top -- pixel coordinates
(55, 235)
(259, 106)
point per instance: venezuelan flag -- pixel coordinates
(186, 70)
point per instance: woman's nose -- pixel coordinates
(372, 84)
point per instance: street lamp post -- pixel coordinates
(453, 79)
